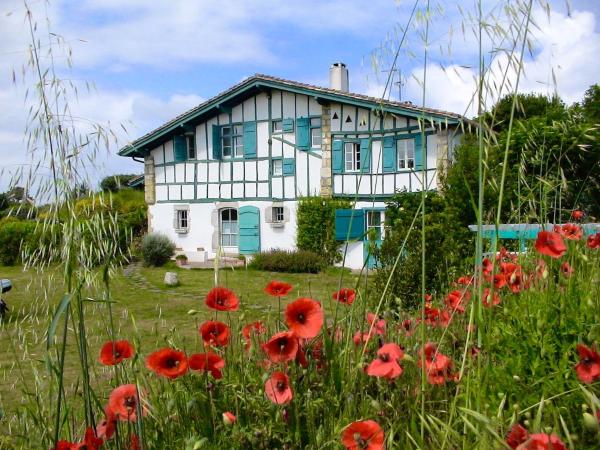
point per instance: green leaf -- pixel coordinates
(62, 307)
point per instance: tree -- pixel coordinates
(114, 183)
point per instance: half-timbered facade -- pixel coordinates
(227, 175)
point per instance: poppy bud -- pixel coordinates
(590, 423)
(192, 312)
(516, 407)
(516, 378)
(375, 404)
(229, 418)
(526, 423)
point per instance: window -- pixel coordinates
(277, 126)
(191, 146)
(277, 167)
(375, 223)
(277, 212)
(232, 141)
(181, 219)
(315, 132)
(229, 227)
(405, 149)
(352, 156)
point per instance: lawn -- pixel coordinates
(143, 306)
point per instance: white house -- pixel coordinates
(229, 173)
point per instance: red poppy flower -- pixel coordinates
(255, 327)
(208, 362)
(64, 445)
(516, 436)
(387, 364)
(281, 347)
(572, 231)
(588, 368)
(490, 299)
(345, 295)
(542, 441)
(278, 388)
(505, 255)
(215, 333)
(167, 363)
(363, 435)
(437, 365)
(456, 300)
(304, 317)
(113, 352)
(90, 441)
(465, 280)
(222, 299)
(134, 442)
(229, 418)
(551, 244)
(566, 269)
(123, 403)
(376, 324)
(487, 267)
(106, 428)
(593, 241)
(278, 288)
(577, 214)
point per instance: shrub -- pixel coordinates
(447, 245)
(299, 261)
(157, 249)
(316, 226)
(13, 234)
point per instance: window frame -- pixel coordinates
(233, 228)
(402, 154)
(191, 146)
(236, 137)
(277, 130)
(369, 225)
(355, 161)
(278, 161)
(277, 214)
(314, 128)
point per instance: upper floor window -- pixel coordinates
(405, 149)
(277, 167)
(191, 146)
(351, 156)
(232, 141)
(277, 126)
(315, 132)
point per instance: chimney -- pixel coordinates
(338, 77)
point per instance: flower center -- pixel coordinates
(360, 442)
(129, 402)
(280, 386)
(301, 318)
(384, 357)
(172, 363)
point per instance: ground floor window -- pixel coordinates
(229, 227)
(182, 219)
(374, 222)
(277, 212)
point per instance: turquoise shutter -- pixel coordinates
(349, 224)
(303, 133)
(418, 152)
(249, 230)
(288, 166)
(216, 141)
(337, 162)
(287, 125)
(179, 148)
(389, 154)
(250, 139)
(365, 155)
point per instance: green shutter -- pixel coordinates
(288, 166)
(337, 162)
(365, 155)
(250, 139)
(303, 133)
(418, 152)
(179, 148)
(249, 230)
(389, 154)
(216, 141)
(287, 125)
(349, 224)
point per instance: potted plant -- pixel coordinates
(181, 260)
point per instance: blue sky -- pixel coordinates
(152, 60)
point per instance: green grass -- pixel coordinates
(143, 307)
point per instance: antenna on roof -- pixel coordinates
(398, 83)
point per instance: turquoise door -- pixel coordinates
(249, 228)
